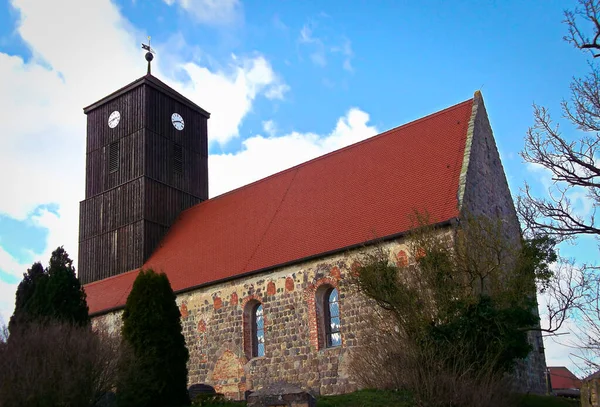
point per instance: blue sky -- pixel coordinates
(284, 81)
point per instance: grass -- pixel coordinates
(387, 398)
(532, 400)
(367, 398)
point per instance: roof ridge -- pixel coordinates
(348, 147)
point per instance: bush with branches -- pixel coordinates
(57, 364)
(456, 317)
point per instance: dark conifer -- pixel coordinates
(51, 294)
(155, 373)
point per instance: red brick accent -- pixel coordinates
(250, 298)
(202, 326)
(184, 311)
(310, 293)
(420, 253)
(401, 259)
(234, 299)
(289, 284)
(354, 268)
(335, 273)
(271, 288)
(226, 374)
(217, 302)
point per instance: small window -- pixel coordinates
(258, 325)
(177, 159)
(113, 157)
(331, 309)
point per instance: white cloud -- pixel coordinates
(346, 50)
(270, 128)
(321, 45)
(7, 301)
(263, 156)
(42, 144)
(212, 12)
(318, 55)
(228, 95)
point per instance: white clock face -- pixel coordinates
(177, 121)
(114, 119)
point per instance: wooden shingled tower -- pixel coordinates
(146, 161)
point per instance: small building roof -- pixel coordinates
(562, 378)
(357, 194)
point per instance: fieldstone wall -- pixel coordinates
(213, 325)
(484, 191)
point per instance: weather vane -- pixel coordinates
(149, 56)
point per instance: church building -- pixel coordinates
(260, 272)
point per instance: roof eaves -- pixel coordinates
(447, 222)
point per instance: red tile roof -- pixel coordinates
(344, 198)
(562, 378)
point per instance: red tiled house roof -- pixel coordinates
(334, 202)
(562, 378)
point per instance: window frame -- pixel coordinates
(327, 318)
(255, 330)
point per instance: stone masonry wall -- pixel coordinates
(484, 191)
(213, 325)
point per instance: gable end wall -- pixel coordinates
(484, 190)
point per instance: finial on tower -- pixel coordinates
(149, 56)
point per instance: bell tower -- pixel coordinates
(146, 161)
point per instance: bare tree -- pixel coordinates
(572, 162)
(575, 168)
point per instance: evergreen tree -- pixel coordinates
(51, 294)
(63, 292)
(25, 292)
(155, 373)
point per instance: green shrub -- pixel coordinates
(215, 400)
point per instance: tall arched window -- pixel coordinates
(331, 313)
(258, 332)
(254, 329)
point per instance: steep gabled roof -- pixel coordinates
(340, 200)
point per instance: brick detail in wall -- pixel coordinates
(401, 259)
(217, 302)
(228, 375)
(271, 289)
(202, 326)
(183, 310)
(289, 284)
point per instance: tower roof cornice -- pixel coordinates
(154, 82)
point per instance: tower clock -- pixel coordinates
(146, 161)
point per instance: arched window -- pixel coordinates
(258, 331)
(254, 329)
(331, 314)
